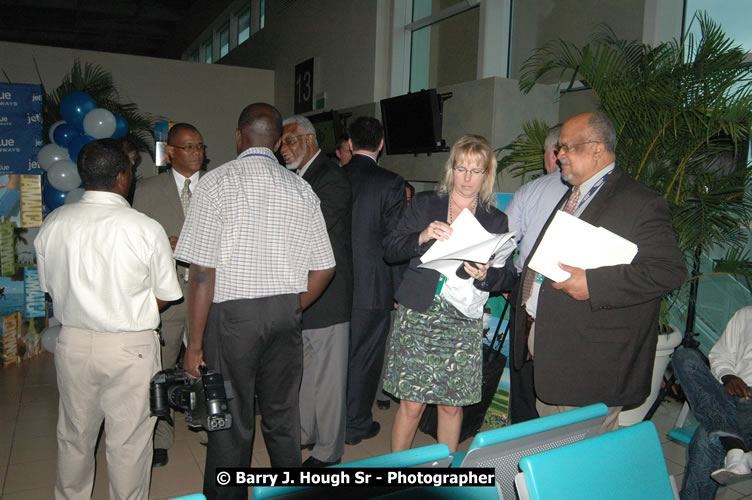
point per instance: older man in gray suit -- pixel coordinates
(165, 198)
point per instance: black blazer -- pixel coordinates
(378, 202)
(418, 285)
(332, 187)
(602, 349)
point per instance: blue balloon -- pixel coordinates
(74, 106)
(121, 127)
(77, 144)
(52, 197)
(64, 134)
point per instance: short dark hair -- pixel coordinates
(264, 119)
(100, 162)
(179, 127)
(366, 133)
(604, 130)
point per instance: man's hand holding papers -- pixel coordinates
(578, 246)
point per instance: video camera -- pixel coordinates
(204, 400)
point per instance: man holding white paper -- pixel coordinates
(593, 335)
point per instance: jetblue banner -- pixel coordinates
(20, 128)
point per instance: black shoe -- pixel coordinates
(308, 447)
(383, 405)
(314, 462)
(372, 432)
(159, 459)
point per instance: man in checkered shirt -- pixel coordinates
(260, 254)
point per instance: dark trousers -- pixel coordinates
(718, 413)
(257, 345)
(521, 384)
(368, 332)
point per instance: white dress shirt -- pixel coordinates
(180, 181)
(105, 264)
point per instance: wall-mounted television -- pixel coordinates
(412, 123)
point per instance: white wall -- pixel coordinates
(347, 38)
(536, 22)
(208, 96)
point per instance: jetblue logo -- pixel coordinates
(6, 95)
(33, 118)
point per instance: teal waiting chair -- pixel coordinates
(626, 464)
(503, 448)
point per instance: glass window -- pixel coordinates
(732, 15)
(445, 53)
(244, 26)
(224, 41)
(194, 56)
(208, 52)
(262, 8)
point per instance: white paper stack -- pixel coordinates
(577, 243)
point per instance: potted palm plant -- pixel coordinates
(682, 111)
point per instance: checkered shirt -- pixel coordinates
(258, 225)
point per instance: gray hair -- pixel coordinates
(552, 137)
(305, 123)
(604, 130)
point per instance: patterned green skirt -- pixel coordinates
(435, 357)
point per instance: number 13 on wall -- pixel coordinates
(304, 86)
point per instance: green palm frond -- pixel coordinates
(100, 86)
(524, 155)
(682, 111)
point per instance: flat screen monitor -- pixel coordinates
(412, 123)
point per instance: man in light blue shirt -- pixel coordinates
(528, 212)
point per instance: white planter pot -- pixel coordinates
(666, 345)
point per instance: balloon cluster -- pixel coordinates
(82, 123)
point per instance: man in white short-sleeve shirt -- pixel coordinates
(109, 270)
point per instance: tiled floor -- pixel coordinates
(28, 413)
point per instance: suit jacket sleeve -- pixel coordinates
(394, 204)
(402, 242)
(658, 267)
(335, 194)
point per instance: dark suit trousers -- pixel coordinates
(257, 345)
(368, 332)
(521, 383)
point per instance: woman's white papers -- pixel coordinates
(469, 241)
(574, 242)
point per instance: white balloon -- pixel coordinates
(51, 133)
(63, 175)
(50, 154)
(99, 123)
(74, 196)
(49, 338)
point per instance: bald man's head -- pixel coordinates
(259, 125)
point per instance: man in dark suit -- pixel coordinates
(593, 336)
(378, 201)
(326, 323)
(164, 198)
